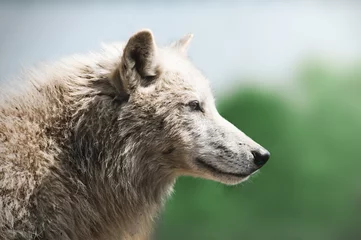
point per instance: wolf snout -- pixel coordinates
(260, 157)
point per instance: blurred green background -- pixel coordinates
(287, 73)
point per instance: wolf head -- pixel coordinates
(171, 104)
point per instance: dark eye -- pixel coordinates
(195, 106)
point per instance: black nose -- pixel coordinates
(260, 157)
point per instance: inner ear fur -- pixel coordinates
(141, 54)
(139, 62)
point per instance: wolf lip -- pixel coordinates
(200, 162)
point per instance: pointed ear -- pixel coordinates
(139, 63)
(183, 43)
(140, 54)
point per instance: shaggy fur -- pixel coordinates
(93, 146)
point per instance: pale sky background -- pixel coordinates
(233, 40)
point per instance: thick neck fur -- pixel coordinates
(106, 175)
(119, 168)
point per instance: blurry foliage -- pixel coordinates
(310, 189)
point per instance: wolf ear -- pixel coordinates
(183, 44)
(139, 62)
(140, 54)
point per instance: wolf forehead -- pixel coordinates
(178, 72)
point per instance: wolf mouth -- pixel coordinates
(202, 163)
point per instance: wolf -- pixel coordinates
(92, 147)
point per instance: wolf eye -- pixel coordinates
(195, 106)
